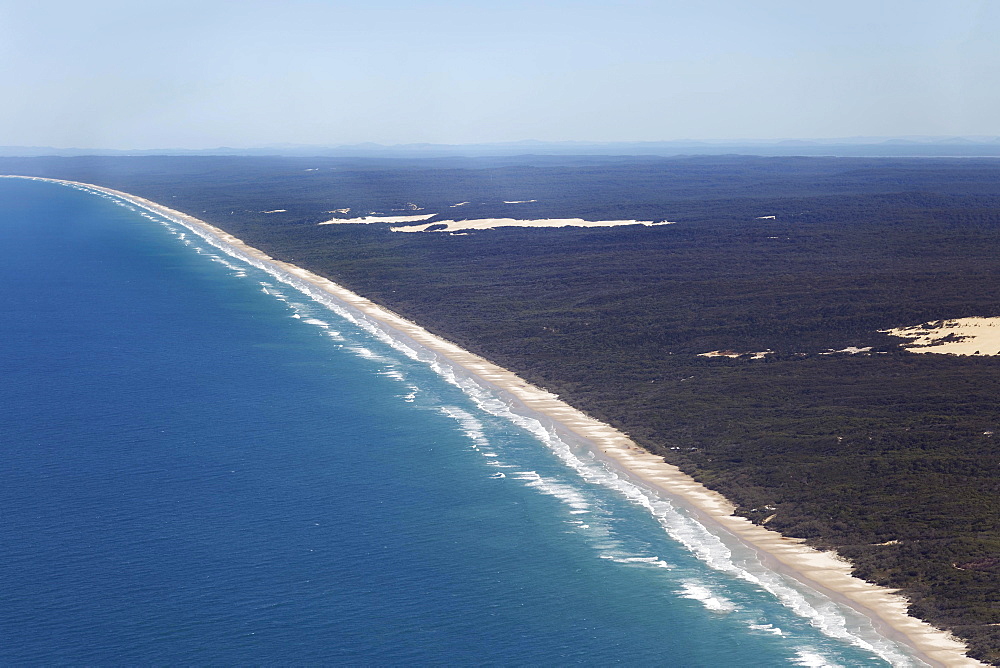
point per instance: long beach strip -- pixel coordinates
(822, 571)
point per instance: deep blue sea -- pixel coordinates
(200, 464)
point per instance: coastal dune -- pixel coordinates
(481, 223)
(493, 223)
(958, 336)
(823, 571)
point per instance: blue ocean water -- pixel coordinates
(203, 465)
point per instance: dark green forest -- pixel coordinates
(887, 456)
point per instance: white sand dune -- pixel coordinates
(364, 220)
(959, 336)
(492, 223)
(734, 354)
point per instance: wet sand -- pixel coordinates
(822, 571)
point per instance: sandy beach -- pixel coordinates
(822, 571)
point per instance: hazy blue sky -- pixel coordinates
(152, 73)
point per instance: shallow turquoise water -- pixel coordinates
(202, 464)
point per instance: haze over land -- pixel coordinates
(847, 147)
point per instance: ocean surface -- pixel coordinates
(203, 465)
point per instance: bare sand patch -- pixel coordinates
(365, 220)
(492, 223)
(734, 354)
(959, 336)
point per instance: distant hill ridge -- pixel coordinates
(905, 146)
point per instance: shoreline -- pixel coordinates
(822, 571)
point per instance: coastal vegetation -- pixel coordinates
(887, 456)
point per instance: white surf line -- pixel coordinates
(823, 571)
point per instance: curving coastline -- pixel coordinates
(822, 571)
